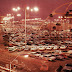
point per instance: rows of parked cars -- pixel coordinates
(46, 47)
(67, 68)
(52, 55)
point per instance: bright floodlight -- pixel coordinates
(14, 9)
(31, 10)
(9, 15)
(36, 9)
(27, 8)
(18, 8)
(59, 17)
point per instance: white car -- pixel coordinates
(33, 49)
(49, 47)
(55, 47)
(32, 54)
(37, 55)
(52, 44)
(69, 52)
(63, 47)
(12, 49)
(41, 48)
(52, 58)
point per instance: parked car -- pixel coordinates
(59, 57)
(33, 49)
(67, 68)
(70, 52)
(41, 48)
(63, 47)
(70, 47)
(46, 56)
(64, 51)
(20, 48)
(32, 54)
(55, 47)
(51, 58)
(12, 49)
(26, 49)
(49, 48)
(65, 57)
(37, 55)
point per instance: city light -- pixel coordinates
(13, 9)
(27, 8)
(8, 15)
(18, 8)
(36, 9)
(31, 10)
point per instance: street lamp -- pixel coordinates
(16, 9)
(27, 8)
(36, 9)
(31, 10)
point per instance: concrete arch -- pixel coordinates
(54, 11)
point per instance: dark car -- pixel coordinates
(67, 68)
(59, 57)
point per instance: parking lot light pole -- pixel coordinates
(25, 28)
(27, 8)
(10, 66)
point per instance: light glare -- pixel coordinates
(18, 8)
(36, 9)
(14, 9)
(31, 10)
(27, 8)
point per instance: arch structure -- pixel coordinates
(55, 13)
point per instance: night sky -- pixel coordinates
(45, 6)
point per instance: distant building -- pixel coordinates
(33, 21)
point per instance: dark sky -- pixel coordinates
(45, 6)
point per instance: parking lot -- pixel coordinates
(45, 51)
